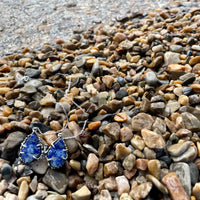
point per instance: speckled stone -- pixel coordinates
(92, 163)
(122, 184)
(112, 130)
(122, 151)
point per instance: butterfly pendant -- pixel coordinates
(32, 150)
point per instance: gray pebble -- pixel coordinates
(187, 78)
(32, 73)
(151, 78)
(6, 171)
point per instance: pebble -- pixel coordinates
(108, 81)
(182, 170)
(122, 151)
(55, 180)
(154, 168)
(190, 122)
(121, 117)
(110, 168)
(92, 163)
(32, 73)
(137, 142)
(48, 100)
(171, 58)
(142, 121)
(40, 166)
(28, 89)
(157, 183)
(33, 185)
(41, 194)
(105, 195)
(141, 191)
(152, 139)
(179, 148)
(129, 162)
(125, 134)
(6, 171)
(196, 47)
(82, 194)
(174, 186)
(194, 173)
(194, 60)
(151, 78)
(122, 184)
(141, 164)
(125, 196)
(54, 197)
(3, 186)
(112, 130)
(176, 48)
(196, 191)
(23, 190)
(121, 94)
(187, 78)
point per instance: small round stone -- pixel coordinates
(6, 171)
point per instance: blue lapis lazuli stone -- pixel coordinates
(57, 154)
(31, 149)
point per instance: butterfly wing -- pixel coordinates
(57, 153)
(31, 149)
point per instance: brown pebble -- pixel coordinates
(141, 164)
(108, 80)
(122, 151)
(194, 60)
(196, 191)
(176, 67)
(82, 194)
(141, 191)
(94, 125)
(112, 130)
(120, 117)
(119, 37)
(110, 168)
(141, 121)
(48, 100)
(55, 125)
(125, 134)
(174, 186)
(154, 168)
(103, 150)
(23, 190)
(7, 111)
(92, 163)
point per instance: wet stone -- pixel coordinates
(182, 170)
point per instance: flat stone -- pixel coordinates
(152, 139)
(171, 58)
(122, 184)
(159, 125)
(23, 190)
(156, 62)
(173, 106)
(174, 186)
(121, 94)
(54, 197)
(11, 145)
(157, 48)
(56, 180)
(194, 60)
(41, 194)
(187, 78)
(92, 163)
(182, 170)
(196, 47)
(142, 121)
(82, 194)
(40, 166)
(108, 80)
(157, 107)
(32, 73)
(28, 89)
(157, 183)
(141, 191)
(176, 48)
(34, 83)
(188, 156)
(179, 148)
(48, 100)
(190, 122)
(33, 184)
(112, 130)
(55, 68)
(108, 183)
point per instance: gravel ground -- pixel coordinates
(32, 23)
